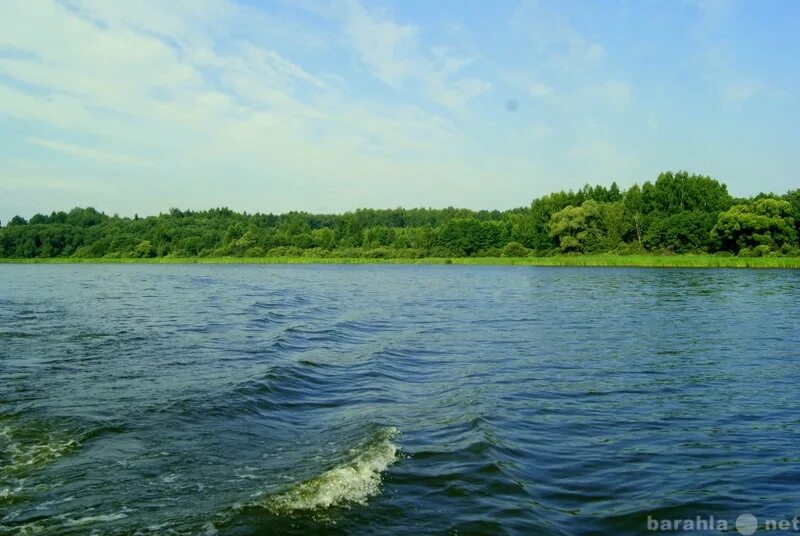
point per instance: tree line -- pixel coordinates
(677, 213)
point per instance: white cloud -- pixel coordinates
(711, 15)
(555, 37)
(738, 92)
(388, 48)
(538, 89)
(613, 93)
(393, 53)
(89, 152)
(162, 86)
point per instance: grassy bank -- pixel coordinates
(644, 261)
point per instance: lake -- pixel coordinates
(276, 399)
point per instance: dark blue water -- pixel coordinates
(238, 400)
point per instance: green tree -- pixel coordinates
(681, 232)
(677, 192)
(144, 249)
(378, 236)
(615, 226)
(677, 212)
(468, 236)
(324, 238)
(634, 207)
(577, 229)
(523, 228)
(766, 222)
(793, 197)
(84, 217)
(515, 249)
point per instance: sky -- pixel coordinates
(328, 106)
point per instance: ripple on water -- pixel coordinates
(531, 401)
(29, 445)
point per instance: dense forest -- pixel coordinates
(678, 213)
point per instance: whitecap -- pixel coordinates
(103, 518)
(353, 481)
(25, 457)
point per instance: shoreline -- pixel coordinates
(630, 261)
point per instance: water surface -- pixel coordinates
(238, 400)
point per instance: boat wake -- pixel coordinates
(350, 482)
(21, 457)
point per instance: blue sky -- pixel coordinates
(270, 106)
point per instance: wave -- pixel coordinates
(27, 447)
(289, 386)
(101, 518)
(32, 455)
(353, 481)
(21, 459)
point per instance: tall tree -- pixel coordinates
(766, 222)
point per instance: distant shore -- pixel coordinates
(643, 261)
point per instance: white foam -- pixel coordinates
(7, 493)
(103, 518)
(351, 482)
(24, 457)
(26, 529)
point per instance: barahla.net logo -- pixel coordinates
(746, 524)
